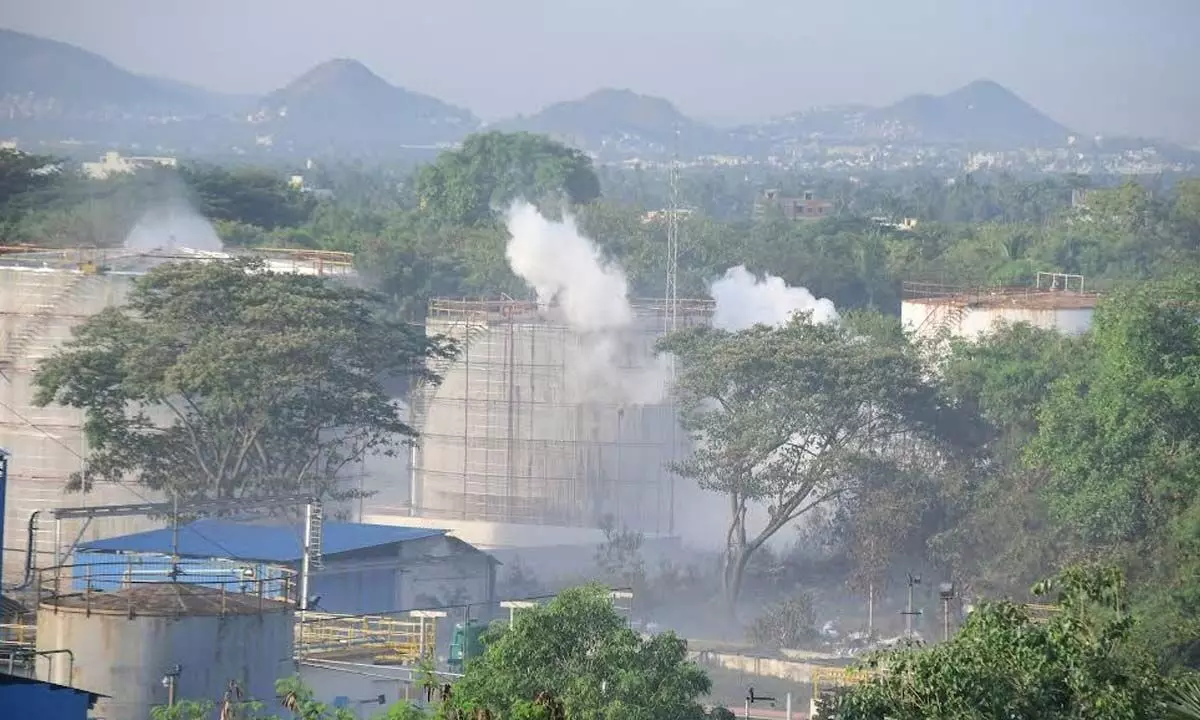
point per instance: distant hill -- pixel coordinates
(621, 123)
(341, 103)
(46, 79)
(982, 114)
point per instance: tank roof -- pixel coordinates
(531, 310)
(1018, 297)
(169, 599)
(252, 541)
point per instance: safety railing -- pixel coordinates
(21, 634)
(383, 639)
(129, 583)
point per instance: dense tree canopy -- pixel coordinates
(223, 380)
(492, 169)
(1080, 663)
(576, 657)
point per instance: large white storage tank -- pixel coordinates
(512, 437)
(1055, 302)
(44, 294)
(125, 643)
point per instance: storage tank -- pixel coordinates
(527, 427)
(1055, 302)
(44, 294)
(133, 644)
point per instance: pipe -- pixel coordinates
(30, 550)
(70, 667)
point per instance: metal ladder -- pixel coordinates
(315, 539)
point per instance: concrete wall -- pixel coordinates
(527, 428)
(357, 686)
(125, 657)
(38, 309)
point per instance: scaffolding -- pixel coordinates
(520, 431)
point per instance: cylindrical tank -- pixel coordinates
(125, 644)
(38, 308)
(970, 314)
(536, 423)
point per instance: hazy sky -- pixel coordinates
(1099, 66)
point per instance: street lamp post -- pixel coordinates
(168, 680)
(946, 592)
(913, 580)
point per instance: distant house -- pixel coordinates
(366, 568)
(803, 208)
(113, 163)
(22, 697)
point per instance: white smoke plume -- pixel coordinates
(743, 300)
(566, 269)
(173, 227)
(561, 264)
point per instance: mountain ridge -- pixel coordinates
(53, 91)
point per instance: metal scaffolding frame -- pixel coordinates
(502, 439)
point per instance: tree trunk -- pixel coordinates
(735, 573)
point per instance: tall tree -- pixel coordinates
(796, 417)
(492, 169)
(223, 380)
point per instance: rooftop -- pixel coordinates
(170, 599)
(1026, 298)
(273, 543)
(8, 680)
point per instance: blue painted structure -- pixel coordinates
(367, 567)
(22, 697)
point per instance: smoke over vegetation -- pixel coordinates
(172, 226)
(744, 301)
(611, 362)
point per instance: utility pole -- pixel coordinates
(913, 580)
(672, 298)
(947, 593)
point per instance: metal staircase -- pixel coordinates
(951, 320)
(38, 322)
(462, 332)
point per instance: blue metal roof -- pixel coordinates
(211, 538)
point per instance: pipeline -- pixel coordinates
(30, 550)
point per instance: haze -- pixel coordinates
(1099, 66)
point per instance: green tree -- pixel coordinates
(251, 196)
(223, 380)
(492, 169)
(796, 416)
(576, 658)
(1080, 663)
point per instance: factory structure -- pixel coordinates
(1055, 301)
(44, 294)
(523, 441)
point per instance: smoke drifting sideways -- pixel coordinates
(573, 280)
(744, 301)
(173, 227)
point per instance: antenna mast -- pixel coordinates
(672, 299)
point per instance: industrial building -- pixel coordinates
(44, 294)
(518, 440)
(365, 569)
(1056, 301)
